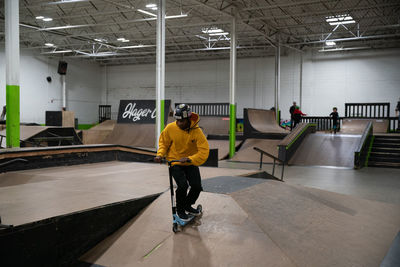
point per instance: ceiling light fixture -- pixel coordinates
(58, 52)
(47, 19)
(330, 43)
(49, 44)
(176, 16)
(151, 5)
(39, 17)
(218, 33)
(340, 19)
(146, 12)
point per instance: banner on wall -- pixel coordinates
(140, 111)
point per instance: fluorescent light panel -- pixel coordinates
(330, 43)
(146, 12)
(340, 19)
(218, 33)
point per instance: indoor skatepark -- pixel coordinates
(89, 86)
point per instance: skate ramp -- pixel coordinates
(133, 135)
(98, 133)
(320, 228)
(267, 224)
(214, 125)
(357, 126)
(321, 149)
(247, 153)
(26, 132)
(223, 236)
(222, 146)
(262, 123)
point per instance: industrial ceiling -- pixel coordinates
(115, 32)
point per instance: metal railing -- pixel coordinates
(209, 109)
(322, 123)
(262, 152)
(367, 110)
(104, 113)
(361, 152)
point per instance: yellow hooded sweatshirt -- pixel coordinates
(175, 143)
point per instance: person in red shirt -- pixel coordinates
(297, 116)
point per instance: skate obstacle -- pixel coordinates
(262, 124)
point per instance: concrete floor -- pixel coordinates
(379, 184)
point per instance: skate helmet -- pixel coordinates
(182, 111)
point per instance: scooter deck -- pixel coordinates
(179, 222)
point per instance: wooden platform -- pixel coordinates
(32, 195)
(268, 224)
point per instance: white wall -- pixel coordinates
(83, 82)
(328, 80)
(363, 76)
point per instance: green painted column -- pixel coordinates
(12, 73)
(232, 129)
(162, 115)
(12, 124)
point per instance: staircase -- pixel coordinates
(385, 151)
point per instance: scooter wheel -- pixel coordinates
(200, 208)
(175, 227)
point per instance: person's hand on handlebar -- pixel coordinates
(158, 159)
(183, 160)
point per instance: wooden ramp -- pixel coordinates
(357, 126)
(246, 152)
(98, 133)
(321, 149)
(267, 224)
(320, 228)
(223, 236)
(26, 132)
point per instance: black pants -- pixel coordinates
(185, 176)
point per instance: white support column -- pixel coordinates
(160, 87)
(64, 93)
(277, 78)
(12, 73)
(232, 90)
(301, 81)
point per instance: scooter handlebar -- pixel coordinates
(163, 160)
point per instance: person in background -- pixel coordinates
(335, 116)
(183, 140)
(398, 114)
(291, 110)
(297, 116)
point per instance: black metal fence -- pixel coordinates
(326, 123)
(367, 110)
(323, 123)
(394, 124)
(104, 113)
(210, 109)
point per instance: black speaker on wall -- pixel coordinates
(62, 67)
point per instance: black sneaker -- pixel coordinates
(192, 211)
(183, 216)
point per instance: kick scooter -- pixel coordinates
(176, 221)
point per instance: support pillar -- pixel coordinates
(12, 73)
(232, 90)
(277, 79)
(160, 87)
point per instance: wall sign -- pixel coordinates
(140, 111)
